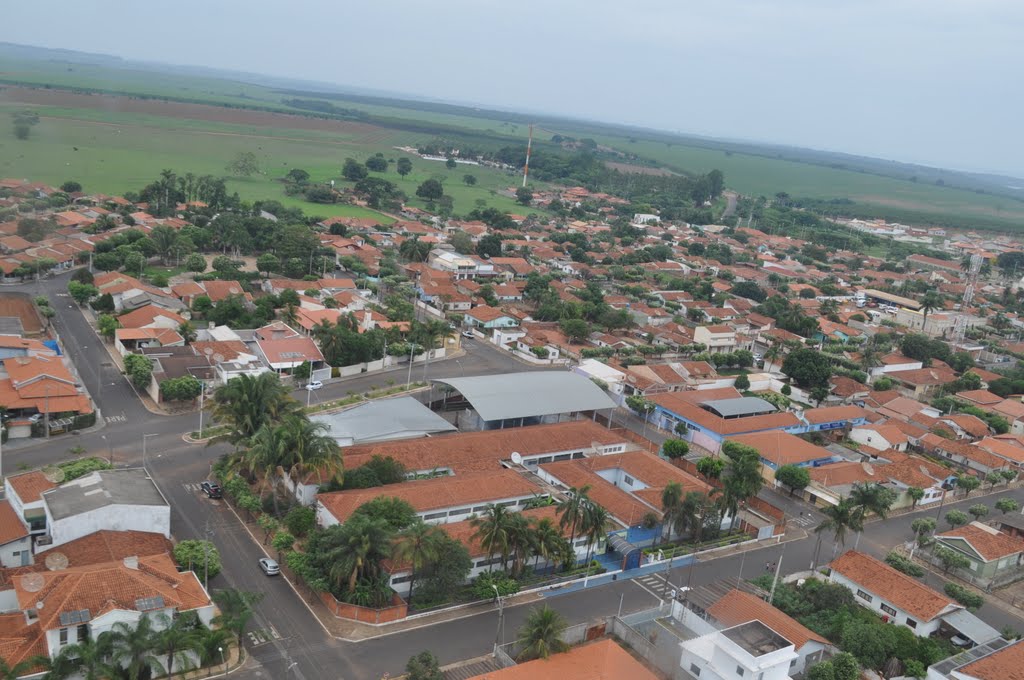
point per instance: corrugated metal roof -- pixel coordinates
(526, 395)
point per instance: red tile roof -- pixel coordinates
(893, 586)
(782, 448)
(738, 607)
(990, 543)
(11, 526)
(1005, 664)
(30, 486)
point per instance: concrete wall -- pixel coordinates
(112, 518)
(11, 554)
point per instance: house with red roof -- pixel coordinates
(283, 348)
(993, 556)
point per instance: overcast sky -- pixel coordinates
(926, 81)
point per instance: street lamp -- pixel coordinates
(501, 616)
(110, 449)
(461, 367)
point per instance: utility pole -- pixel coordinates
(202, 393)
(501, 616)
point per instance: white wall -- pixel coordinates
(924, 628)
(8, 556)
(152, 518)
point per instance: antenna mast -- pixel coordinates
(529, 145)
(960, 323)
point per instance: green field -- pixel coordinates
(119, 151)
(114, 152)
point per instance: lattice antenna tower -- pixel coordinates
(960, 323)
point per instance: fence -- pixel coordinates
(573, 635)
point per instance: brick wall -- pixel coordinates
(342, 610)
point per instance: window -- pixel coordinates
(864, 596)
(739, 671)
(63, 636)
(695, 669)
(888, 610)
(792, 663)
(461, 511)
(82, 633)
(435, 515)
(626, 479)
(911, 622)
(401, 579)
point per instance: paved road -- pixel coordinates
(286, 639)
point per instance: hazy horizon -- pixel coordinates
(903, 80)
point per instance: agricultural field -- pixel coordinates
(116, 144)
(762, 176)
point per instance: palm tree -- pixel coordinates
(839, 519)
(132, 648)
(236, 608)
(245, 403)
(415, 250)
(867, 498)
(176, 639)
(164, 238)
(520, 540)
(492, 531)
(741, 480)
(595, 526)
(541, 635)
(8, 672)
(86, 658)
(187, 331)
(547, 540)
(363, 543)
(267, 453)
(929, 303)
(309, 449)
(570, 511)
(418, 546)
(211, 643)
(671, 505)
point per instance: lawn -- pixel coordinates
(114, 152)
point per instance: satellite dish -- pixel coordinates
(868, 468)
(517, 458)
(53, 474)
(218, 357)
(33, 583)
(207, 351)
(56, 561)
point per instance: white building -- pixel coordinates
(897, 597)
(750, 650)
(114, 500)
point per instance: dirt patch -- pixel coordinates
(638, 169)
(157, 107)
(20, 305)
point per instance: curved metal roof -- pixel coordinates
(530, 394)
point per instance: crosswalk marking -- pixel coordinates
(804, 521)
(262, 636)
(191, 487)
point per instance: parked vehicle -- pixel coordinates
(269, 566)
(314, 385)
(468, 334)
(212, 490)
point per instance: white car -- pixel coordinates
(269, 566)
(468, 334)
(314, 385)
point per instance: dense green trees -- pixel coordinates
(793, 476)
(808, 368)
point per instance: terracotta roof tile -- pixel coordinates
(895, 587)
(990, 543)
(30, 486)
(600, 660)
(738, 607)
(782, 448)
(1005, 664)
(11, 526)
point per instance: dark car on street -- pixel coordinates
(212, 490)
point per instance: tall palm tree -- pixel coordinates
(418, 546)
(309, 448)
(547, 541)
(570, 511)
(839, 519)
(867, 498)
(87, 659)
(595, 526)
(268, 451)
(671, 505)
(520, 540)
(132, 648)
(491, 529)
(236, 608)
(929, 303)
(176, 639)
(741, 479)
(363, 543)
(245, 403)
(211, 642)
(541, 635)
(773, 353)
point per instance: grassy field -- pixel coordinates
(762, 176)
(118, 150)
(113, 152)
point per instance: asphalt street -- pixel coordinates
(285, 640)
